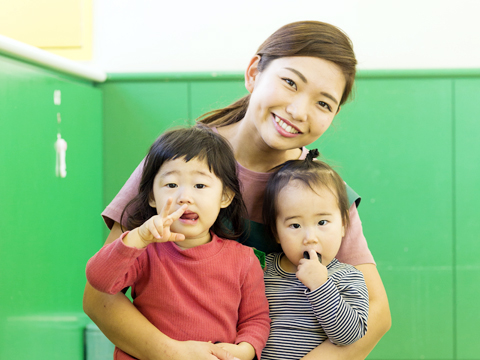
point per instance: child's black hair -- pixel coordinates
(199, 143)
(311, 173)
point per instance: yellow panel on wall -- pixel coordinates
(63, 27)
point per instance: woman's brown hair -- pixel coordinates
(302, 38)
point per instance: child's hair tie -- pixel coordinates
(312, 154)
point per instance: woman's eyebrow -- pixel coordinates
(299, 74)
(331, 97)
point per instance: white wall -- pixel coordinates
(222, 35)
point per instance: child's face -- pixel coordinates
(193, 184)
(307, 220)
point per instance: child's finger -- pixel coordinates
(178, 237)
(166, 207)
(179, 212)
(157, 227)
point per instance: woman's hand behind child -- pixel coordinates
(156, 229)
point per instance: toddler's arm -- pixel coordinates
(114, 267)
(242, 351)
(253, 320)
(341, 307)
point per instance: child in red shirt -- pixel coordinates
(189, 281)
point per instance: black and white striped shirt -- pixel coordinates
(303, 319)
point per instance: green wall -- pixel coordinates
(408, 143)
(50, 225)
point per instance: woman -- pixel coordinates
(298, 80)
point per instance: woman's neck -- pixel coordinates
(251, 151)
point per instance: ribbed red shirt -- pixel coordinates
(213, 292)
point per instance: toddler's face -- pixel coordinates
(308, 219)
(190, 183)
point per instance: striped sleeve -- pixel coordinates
(341, 305)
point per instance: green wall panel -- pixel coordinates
(393, 145)
(50, 225)
(467, 224)
(211, 95)
(135, 114)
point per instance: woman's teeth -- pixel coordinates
(284, 126)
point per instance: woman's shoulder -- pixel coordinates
(304, 153)
(344, 273)
(353, 196)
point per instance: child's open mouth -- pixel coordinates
(189, 216)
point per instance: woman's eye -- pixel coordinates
(325, 105)
(200, 186)
(295, 226)
(290, 82)
(322, 222)
(171, 185)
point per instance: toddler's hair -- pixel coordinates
(311, 173)
(200, 143)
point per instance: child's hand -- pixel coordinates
(311, 272)
(156, 229)
(243, 350)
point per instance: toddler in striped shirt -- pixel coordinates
(312, 296)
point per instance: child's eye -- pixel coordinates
(200, 186)
(290, 82)
(171, 185)
(295, 226)
(322, 222)
(325, 105)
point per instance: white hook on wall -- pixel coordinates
(61, 149)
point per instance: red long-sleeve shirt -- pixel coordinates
(213, 292)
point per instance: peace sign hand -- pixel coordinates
(156, 229)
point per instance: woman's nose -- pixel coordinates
(297, 109)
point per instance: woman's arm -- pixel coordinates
(379, 322)
(128, 329)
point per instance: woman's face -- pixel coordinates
(294, 100)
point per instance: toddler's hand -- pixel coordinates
(157, 228)
(241, 351)
(311, 272)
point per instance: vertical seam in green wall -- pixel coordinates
(454, 224)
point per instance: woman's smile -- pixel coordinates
(294, 100)
(285, 128)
